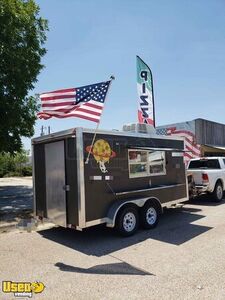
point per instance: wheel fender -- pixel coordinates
(212, 184)
(219, 180)
(118, 204)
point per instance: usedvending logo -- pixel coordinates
(22, 289)
(102, 153)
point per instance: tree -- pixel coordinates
(16, 164)
(22, 38)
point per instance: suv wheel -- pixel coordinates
(218, 192)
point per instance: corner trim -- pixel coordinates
(33, 181)
(80, 178)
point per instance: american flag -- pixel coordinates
(191, 148)
(84, 102)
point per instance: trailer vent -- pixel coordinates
(139, 128)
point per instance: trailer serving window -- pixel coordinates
(146, 163)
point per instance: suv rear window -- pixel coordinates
(204, 164)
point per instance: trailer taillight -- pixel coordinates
(205, 177)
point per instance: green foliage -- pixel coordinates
(26, 171)
(22, 36)
(14, 165)
(6, 164)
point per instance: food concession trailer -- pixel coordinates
(129, 178)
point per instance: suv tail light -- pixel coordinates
(205, 178)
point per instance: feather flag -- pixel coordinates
(146, 110)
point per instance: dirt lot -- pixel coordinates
(183, 258)
(16, 198)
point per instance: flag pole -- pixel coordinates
(96, 129)
(153, 99)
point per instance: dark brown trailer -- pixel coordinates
(127, 181)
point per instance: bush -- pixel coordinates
(7, 164)
(27, 171)
(12, 174)
(14, 164)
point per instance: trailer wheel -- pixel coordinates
(127, 221)
(218, 192)
(149, 215)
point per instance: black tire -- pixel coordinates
(218, 192)
(149, 215)
(127, 221)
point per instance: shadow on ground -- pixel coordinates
(175, 227)
(121, 268)
(15, 202)
(205, 200)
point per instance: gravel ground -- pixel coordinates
(16, 198)
(183, 258)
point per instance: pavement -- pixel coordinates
(16, 201)
(183, 258)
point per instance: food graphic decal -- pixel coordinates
(102, 153)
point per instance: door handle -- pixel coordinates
(66, 188)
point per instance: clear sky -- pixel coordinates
(183, 42)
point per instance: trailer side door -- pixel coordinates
(55, 182)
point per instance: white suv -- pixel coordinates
(209, 175)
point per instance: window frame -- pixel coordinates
(147, 173)
(198, 162)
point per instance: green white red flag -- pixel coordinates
(146, 110)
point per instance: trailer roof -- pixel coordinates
(71, 132)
